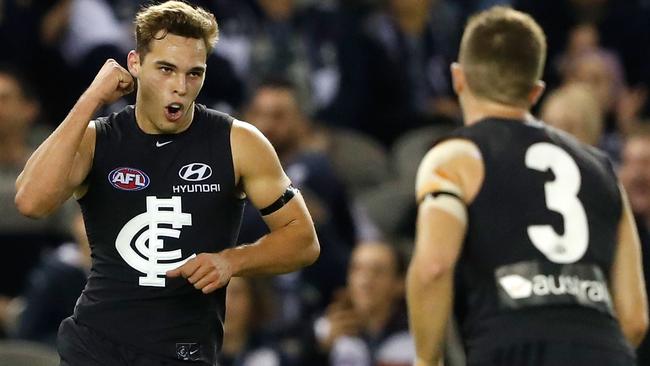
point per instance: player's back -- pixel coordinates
(540, 244)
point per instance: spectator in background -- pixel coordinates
(30, 32)
(634, 173)
(54, 287)
(282, 37)
(275, 109)
(263, 37)
(575, 109)
(407, 47)
(248, 309)
(623, 26)
(601, 71)
(19, 135)
(367, 324)
(93, 35)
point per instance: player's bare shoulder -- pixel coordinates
(457, 161)
(252, 152)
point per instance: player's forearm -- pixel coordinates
(44, 182)
(283, 250)
(429, 305)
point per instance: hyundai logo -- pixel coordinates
(195, 172)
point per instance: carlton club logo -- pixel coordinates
(142, 249)
(128, 179)
(195, 172)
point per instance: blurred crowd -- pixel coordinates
(351, 93)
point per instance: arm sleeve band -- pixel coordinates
(280, 202)
(448, 202)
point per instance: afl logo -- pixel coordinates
(195, 172)
(128, 179)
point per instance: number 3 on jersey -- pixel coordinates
(562, 197)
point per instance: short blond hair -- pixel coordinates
(175, 17)
(503, 52)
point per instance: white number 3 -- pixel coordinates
(561, 197)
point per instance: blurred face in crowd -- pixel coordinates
(594, 71)
(583, 38)
(635, 173)
(16, 111)
(373, 279)
(409, 6)
(170, 77)
(239, 306)
(277, 9)
(275, 112)
(574, 109)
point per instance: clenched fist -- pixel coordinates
(111, 83)
(207, 272)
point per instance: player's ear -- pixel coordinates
(457, 77)
(133, 63)
(536, 92)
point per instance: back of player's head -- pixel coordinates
(175, 17)
(502, 54)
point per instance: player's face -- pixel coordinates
(372, 279)
(635, 174)
(170, 77)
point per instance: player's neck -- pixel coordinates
(477, 109)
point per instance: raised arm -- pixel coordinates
(628, 287)
(449, 177)
(59, 166)
(292, 242)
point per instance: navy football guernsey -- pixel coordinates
(540, 242)
(155, 201)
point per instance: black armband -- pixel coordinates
(443, 193)
(280, 202)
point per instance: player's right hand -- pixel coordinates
(111, 83)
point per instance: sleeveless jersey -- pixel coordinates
(155, 201)
(540, 241)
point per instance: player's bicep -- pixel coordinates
(448, 178)
(260, 174)
(439, 236)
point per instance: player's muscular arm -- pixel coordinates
(292, 242)
(448, 179)
(628, 287)
(61, 163)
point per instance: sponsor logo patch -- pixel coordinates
(526, 284)
(195, 172)
(128, 179)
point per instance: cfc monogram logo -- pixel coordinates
(148, 243)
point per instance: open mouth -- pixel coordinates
(174, 111)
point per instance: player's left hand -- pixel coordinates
(207, 272)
